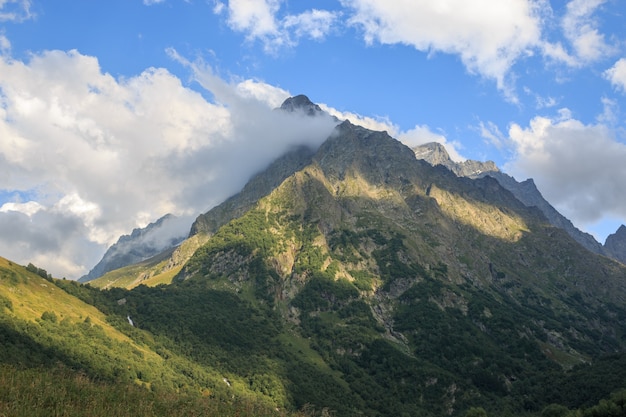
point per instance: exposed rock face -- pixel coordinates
(259, 186)
(303, 104)
(435, 154)
(526, 191)
(615, 244)
(140, 245)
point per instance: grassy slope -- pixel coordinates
(31, 296)
(160, 269)
(46, 335)
(42, 392)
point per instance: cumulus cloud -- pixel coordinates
(102, 155)
(5, 44)
(15, 10)
(255, 17)
(48, 237)
(265, 20)
(266, 93)
(315, 24)
(372, 123)
(578, 167)
(488, 36)
(28, 208)
(617, 75)
(581, 30)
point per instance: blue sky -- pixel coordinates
(114, 113)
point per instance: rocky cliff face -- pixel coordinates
(140, 245)
(615, 244)
(259, 186)
(526, 191)
(301, 103)
(435, 154)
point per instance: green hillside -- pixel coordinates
(62, 356)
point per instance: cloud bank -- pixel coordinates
(578, 167)
(89, 157)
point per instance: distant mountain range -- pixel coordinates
(527, 193)
(142, 244)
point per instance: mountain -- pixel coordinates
(357, 279)
(615, 244)
(399, 271)
(166, 233)
(141, 244)
(525, 191)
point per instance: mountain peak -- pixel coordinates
(615, 244)
(301, 103)
(436, 154)
(433, 152)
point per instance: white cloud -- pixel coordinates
(419, 135)
(488, 36)
(558, 53)
(151, 2)
(578, 167)
(617, 74)
(580, 29)
(610, 112)
(5, 44)
(29, 208)
(263, 20)
(315, 24)
(263, 92)
(372, 123)
(492, 133)
(106, 155)
(15, 10)
(218, 8)
(255, 17)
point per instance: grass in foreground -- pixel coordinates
(60, 392)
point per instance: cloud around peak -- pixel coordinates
(97, 156)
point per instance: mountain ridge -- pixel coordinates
(139, 245)
(526, 191)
